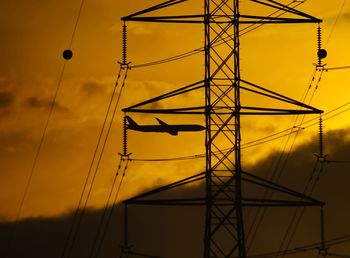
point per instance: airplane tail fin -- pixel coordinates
(131, 122)
(161, 122)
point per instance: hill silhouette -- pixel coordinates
(177, 232)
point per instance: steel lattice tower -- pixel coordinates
(223, 200)
(224, 233)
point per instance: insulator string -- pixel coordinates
(319, 45)
(124, 44)
(125, 137)
(321, 139)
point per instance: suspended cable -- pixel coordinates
(76, 23)
(309, 188)
(79, 212)
(107, 214)
(114, 204)
(99, 227)
(243, 146)
(306, 248)
(315, 88)
(336, 68)
(42, 138)
(259, 141)
(282, 167)
(124, 65)
(98, 164)
(243, 31)
(299, 212)
(277, 171)
(171, 159)
(280, 163)
(338, 161)
(338, 255)
(34, 164)
(336, 21)
(169, 59)
(253, 27)
(296, 220)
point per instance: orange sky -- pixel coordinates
(33, 37)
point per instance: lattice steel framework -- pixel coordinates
(224, 227)
(224, 233)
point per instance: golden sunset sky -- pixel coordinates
(33, 37)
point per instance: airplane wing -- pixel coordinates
(161, 122)
(167, 128)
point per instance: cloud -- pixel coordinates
(346, 16)
(92, 88)
(180, 229)
(135, 29)
(32, 50)
(49, 235)
(6, 99)
(37, 103)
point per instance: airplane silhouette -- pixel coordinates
(163, 127)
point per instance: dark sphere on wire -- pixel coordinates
(67, 54)
(322, 53)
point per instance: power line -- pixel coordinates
(72, 235)
(281, 164)
(292, 228)
(338, 255)
(105, 218)
(263, 140)
(113, 206)
(278, 168)
(336, 21)
(35, 162)
(42, 139)
(76, 22)
(306, 248)
(337, 68)
(243, 31)
(298, 213)
(284, 164)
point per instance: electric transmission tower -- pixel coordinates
(222, 85)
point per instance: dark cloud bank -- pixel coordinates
(6, 99)
(177, 232)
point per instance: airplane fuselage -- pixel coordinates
(163, 127)
(167, 129)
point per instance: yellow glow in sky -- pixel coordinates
(33, 37)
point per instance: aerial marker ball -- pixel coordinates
(67, 54)
(322, 53)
